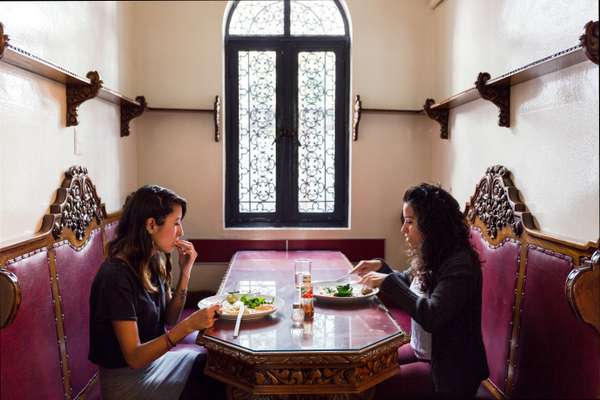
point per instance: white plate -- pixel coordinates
(356, 293)
(221, 300)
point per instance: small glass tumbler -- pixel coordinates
(297, 314)
(301, 268)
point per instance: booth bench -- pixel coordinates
(540, 306)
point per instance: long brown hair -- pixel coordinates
(133, 244)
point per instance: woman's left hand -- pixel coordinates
(373, 279)
(187, 255)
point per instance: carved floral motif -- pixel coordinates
(78, 93)
(80, 206)
(492, 205)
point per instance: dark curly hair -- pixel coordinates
(443, 227)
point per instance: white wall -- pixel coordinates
(552, 145)
(177, 150)
(35, 146)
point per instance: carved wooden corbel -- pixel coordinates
(589, 41)
(3, 40)
(497, 94)
(130, 111)
(356, 109)
(438, 114)
(582, 289)
(78, 93)
(217, 118)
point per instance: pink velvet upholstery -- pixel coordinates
(557, 355)
(31, 340)
(413, 381)
(110, 230)
(76, 271)
(499, 266)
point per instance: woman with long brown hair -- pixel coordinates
(131, 302)
(446, 282)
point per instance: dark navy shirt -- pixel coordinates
(117, 294)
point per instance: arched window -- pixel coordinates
(287, 93)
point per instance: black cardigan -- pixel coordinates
(452, 313)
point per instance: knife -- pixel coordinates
(236, 330)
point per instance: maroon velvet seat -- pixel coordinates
(31, 339)
(499, 267)
(76, 269)
(557, 355)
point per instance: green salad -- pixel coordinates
(340, 290)
(250, 300)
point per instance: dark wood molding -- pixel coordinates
(77, 93)
(76, 208)
(589, 41)
(499, 95)
(438, 114)
(3, 40)
(358, 110)
(130, 111)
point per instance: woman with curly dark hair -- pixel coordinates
(441, 290)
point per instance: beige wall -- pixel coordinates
(552, 145)
(35, 146)
(177, 150)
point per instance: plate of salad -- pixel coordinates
(256, 305)
(344, 292)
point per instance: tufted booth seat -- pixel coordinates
(538, 343)
(44, 343)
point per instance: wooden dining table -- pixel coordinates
(343, 352)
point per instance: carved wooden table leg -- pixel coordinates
(234, 393)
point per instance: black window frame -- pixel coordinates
(287, 48)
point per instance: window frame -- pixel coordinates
(287, 48)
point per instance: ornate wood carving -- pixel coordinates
(130, 111)
(440, 115)
(217, 118)
(78, 93)
(282, 373)
(497, 94)
(237, 394)
(9, 286)
(589, 41)
(77, 204)
(3, 40)
(582, 289)
(496, 203)
(356, 109)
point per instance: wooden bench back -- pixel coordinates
(541, 299)
(45, 336)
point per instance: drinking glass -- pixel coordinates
(301, 268)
